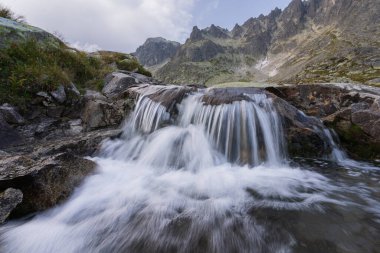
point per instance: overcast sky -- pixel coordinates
(123, 25)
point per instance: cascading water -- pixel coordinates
(244, 131)
(216, 181)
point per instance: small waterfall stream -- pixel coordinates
(215, 179)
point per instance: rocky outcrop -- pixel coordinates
(353, 111)
(156, 51)
(46, 173)
(45, 181)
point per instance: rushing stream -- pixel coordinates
(216, 180)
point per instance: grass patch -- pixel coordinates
(30, 66)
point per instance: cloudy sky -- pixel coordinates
(123, 25)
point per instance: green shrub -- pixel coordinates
(128, 64)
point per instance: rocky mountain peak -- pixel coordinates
(156, 51)
(217, 32)
(196, 34)
(237, 31)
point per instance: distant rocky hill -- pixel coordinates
(156, 51)
(309, 41)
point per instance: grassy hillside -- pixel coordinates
(32, 60)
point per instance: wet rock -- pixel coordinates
(228, 95)
(47, 172)
(59, 94)
(98, 113)
(9, 199)
(11, 115)
(44, 181)
(168, 96)
(117, 83)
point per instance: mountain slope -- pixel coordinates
(309, 41)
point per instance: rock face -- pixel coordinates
(284, 46)
(156, 51)
(353, 111)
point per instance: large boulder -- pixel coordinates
(117, 83)
(100, 114)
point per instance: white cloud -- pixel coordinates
(120, 25)
(87, 47)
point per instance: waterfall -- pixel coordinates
(203, 178)
(242, 132)
(246, 132)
